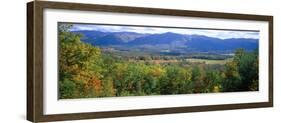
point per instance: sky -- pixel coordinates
(222, 34)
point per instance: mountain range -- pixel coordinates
(168, 41)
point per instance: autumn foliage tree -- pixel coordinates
(241, 74)
(78, 66)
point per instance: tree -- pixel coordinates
(213, 81)
(176, 80)
(198, 76)
(107, 87)
(232, 79)
(153, 75)
(241, 74)
(247, 63)
(119, 70)
(78, 64)
(67, 89)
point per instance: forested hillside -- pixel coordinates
(166, 41)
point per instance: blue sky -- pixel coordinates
(223, 34)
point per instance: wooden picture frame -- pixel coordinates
(35, 60)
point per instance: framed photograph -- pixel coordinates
(96, 61)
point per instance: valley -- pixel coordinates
(116, 61)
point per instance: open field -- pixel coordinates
(207, 61)
(190, 60)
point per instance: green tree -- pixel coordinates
(213, 81)
(247, 63)
(232, 79)
(107, 87)
(198, 76)
(176, 80)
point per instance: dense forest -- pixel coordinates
(86, 71)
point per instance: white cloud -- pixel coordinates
(223, 34)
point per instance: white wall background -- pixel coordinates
(13, 61)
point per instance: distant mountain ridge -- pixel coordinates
(166, 41)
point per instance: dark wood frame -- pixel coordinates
(35, 60)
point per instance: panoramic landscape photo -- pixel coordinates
(102, 60)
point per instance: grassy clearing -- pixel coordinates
(207, 61)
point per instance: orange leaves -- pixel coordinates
(78, 61)
(94, 85)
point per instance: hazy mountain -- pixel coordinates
(108, 38)
(166, 41)
(164, 38)
(89, 36)
(204, 43)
